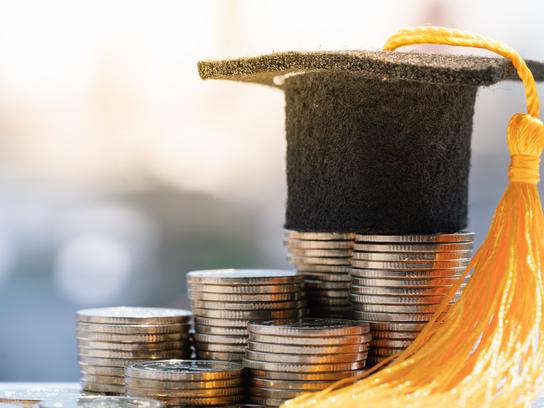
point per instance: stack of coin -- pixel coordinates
(324, 258)
(97, 401)
(398, 282)
(186, 382)
(110, 338)
(287, 358)
(224, 301)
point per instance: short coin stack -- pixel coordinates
(110, 338)
(398, 281)
(224, 301)
(186, 382)
(324, 258)
(286, 359)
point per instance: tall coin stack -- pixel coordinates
(110, 338)
(398, 281)
(286, 359)
(224, 301)
(186, 382)
(324, 258)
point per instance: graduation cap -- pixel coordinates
(379, 142)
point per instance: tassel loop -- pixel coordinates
(525, 138)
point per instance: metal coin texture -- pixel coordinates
(184, 370)
(417, 238)
(243, 277)
(133, 315)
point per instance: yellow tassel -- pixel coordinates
(488, 349)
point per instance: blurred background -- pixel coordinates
(120, 170)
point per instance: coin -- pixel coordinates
(300, 244)
(103, 379)
(324, 349)
(462, 246)
(249, 314)
(411, 256)
(309, 341)
(184, 393)
(184, 370)
(131, 338)
(143, 329)
(90, 401)
(396, 291)
(29, 394)
(243, 277)
(417, 238)
(321, 253)
(319, 236)
(410, 274)
(393, 317)
(395, 300)
(305, 368)
(286, 385)
(394, 335)
(218, 322)
(182, 385)
(115, 362)
(401, 283)
(342, 269)
(400, 265)
(391, 343)
(223, 348)
(303, 376)
(220, 355)
(272, 297)
(216, 339)
(396, 326)
(129, 347)
(327, 277)
(295, 287)
(312, 284)
(305, 358)
(133, 315)
(100, 370)
(222, 331)
(266, 402)
(274, 392)
(204, 304)
(396, 308)
(141, 354)
(307, 260)
(106, 388)
(385, 352)
(200, 401)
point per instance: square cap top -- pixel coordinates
(411, 66)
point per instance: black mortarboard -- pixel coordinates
(377, 142)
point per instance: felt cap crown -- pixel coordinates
(377, 142)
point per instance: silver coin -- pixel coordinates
(411, 256)
(327, 277)
(395, 300)
(184, 393)
(140, 354)
(405, 283)
(106, 362)
(396, 326)
(394, 335)
(386, 352)
(319, 236)
(143, 329)
(221, 331)
(129, 347)
(249, 314)
(396, 291)
(133, 315)
(315, 284)
(184, 370)
(392, 317)
(223, 348)
(182, 385)
(286, 349)
(303, 376)
(243, 277)
(93, 401)
(238, 298)
(293, 385)
(401, 309)
(103, 388)
(196, 289)
(100, 370)
(300, 244)
(314, 260)
(266, 402)
(304, 368)
(274, 393)
(205, 304)
(413, 248)
(391, 343)
(30, 394)
(400, 265)
(309, 341)
(320, 253)
(102, 379)
(219, 322)
(305, 358)
(131, 338)
(417, 238)
(410, 274)
(198, 401)
(217, 339)
(324, 268)
(219, 355)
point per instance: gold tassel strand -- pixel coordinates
(487, 350)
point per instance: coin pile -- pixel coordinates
(398, 282)
(324, 258)
(285, 359)
(224, 301)
(186, 382)
(110, 338)
(99, 401)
